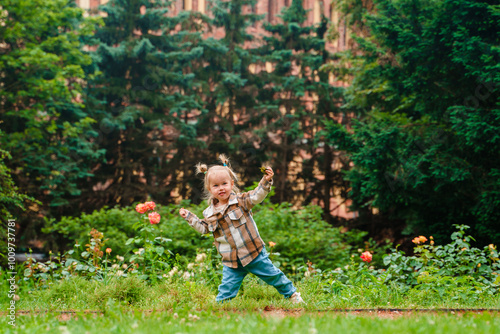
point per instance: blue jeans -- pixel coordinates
(261, 267)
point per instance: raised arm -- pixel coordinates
(193, 221)
(251, 198)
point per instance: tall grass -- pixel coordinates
(131, 292)
(185, 320)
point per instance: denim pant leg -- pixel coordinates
(231, 282)
(263, 268)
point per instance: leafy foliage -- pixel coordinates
(11, 203)
(46, 129)
(300, 235)
(425, 91)
(455, 269)
(292, 55)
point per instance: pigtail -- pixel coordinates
(225, 160)
(201, 168)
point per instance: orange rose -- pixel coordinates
(141, 208)
(366, 256)
(154, 217)
(150, 205)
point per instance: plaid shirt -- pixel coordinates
(234, 230)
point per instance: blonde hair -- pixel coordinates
(203, 168)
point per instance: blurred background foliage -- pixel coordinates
(98, 113)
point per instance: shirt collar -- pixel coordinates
(232, 200)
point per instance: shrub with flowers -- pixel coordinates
(152, 258)
(454, 268)
(92, 262)
(456, 259)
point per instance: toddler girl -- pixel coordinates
(229, 219)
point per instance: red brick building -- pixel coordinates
(270, 8)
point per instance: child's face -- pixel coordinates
(220, 185)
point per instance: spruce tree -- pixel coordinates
(228, 87)
(426, 91)
(142, 99)
(297, 52)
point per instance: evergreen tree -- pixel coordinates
(142, 99)
(229, 89)
(425, 88)
(296, 53)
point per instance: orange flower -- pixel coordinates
(272, 244)
(366, 256)
(150, 205)
(108, 250)
(154, 217)
(141, 208)
(419, 240)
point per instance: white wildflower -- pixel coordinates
(173, 271)
(124, 266)
(64, 330)
(186, 275)
(119, 273)
(201, 257)
(190, 266)
(114, 266)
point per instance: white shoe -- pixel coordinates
(297, 299)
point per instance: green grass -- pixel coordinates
(122, 307)
(80, 294)
(213, 321)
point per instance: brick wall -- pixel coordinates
(271, 8)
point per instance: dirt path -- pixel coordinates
(270, 311)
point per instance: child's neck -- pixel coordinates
(219, 203)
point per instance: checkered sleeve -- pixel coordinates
(195, 222)
(251, 198)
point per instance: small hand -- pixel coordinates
(269, 174)
(183, 212)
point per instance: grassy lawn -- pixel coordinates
(80, 294)
(183, 320)
(130, 306)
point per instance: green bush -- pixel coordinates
(117, 225)
(300, 235)
(455, 270)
